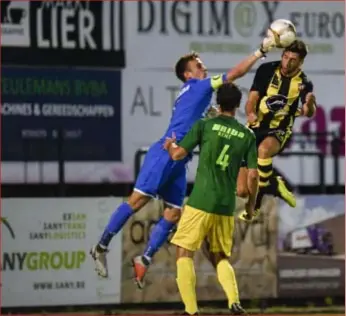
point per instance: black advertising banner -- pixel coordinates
(311, 254)
(67, 113)
(66, 33)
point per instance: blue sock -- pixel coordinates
(116, 223)
(158, 237)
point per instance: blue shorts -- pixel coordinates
(160, 176)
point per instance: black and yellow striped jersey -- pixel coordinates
(278, 91)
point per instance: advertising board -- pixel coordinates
(148, 98)
(45, 252)
(63, 33)
(42, 107)
(311, 254)
(225, 30)
(253, 258)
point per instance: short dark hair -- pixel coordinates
(228, 97)
(299, 47)
(181, 65)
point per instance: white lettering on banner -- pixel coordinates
(310, 273)
(219, 27)
(72, 25)
(45, 249)
(311, 285)
(57, 110)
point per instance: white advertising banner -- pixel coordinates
(45, 257)
(159, 31)
(147, 99)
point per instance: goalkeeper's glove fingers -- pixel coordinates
(267, 45)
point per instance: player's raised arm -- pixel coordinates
(245, 65)
(188, 143)
(239, 70)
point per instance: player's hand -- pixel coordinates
(213, 111)
(267, 45)
(169, 141)
(252, 118)
(310, 98)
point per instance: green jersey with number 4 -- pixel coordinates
(224, 143)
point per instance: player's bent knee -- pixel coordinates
(218, 256)
(172, 214)
(242, 192)
(268, 148)
(182, 252)
(263, 151)
(137, 200)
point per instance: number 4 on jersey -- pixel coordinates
(223, 159)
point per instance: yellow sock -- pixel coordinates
(186, 279)
(265, 171)
(226, 276)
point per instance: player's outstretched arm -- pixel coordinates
(245, 65)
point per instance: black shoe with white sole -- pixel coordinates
(236, 309)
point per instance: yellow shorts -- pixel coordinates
(195, 226)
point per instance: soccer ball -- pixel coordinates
(283, 31)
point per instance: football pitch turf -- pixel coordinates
(272, 311)
(308, 312)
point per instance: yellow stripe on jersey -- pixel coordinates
(216, 82)
(273, 89)
(287, 87)
(292, 96)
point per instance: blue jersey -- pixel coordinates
(191, 104)
(160, 175)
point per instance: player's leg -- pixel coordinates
(269, 182)
(219, 243)
(277, 173)
(173, 193)
(242, 189)
(158, 236)
(283, 137)
(117, 220)
(192, 230)
(145, 188)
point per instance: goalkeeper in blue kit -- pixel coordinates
(160, 176)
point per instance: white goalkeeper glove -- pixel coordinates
(267, 45)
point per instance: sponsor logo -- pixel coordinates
(15, 30)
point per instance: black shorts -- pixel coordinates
(283, 136)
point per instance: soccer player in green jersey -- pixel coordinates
(209, 211)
